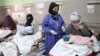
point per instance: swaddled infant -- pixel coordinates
(76, 39)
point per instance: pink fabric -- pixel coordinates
(80, 40)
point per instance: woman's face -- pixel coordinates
(55, 10)
(75, 24)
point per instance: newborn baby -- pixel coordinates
(76, 39)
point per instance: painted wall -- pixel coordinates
(92, 19)
(68, 6)
(12, 2)
(2, 13)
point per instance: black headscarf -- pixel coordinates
(52, 5)
(29, 21)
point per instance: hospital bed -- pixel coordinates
(22, 45)
(61, 49)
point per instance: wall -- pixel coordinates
(2, 13)
(80, 6)
(92, 19)
(12, 2)
(68, 6)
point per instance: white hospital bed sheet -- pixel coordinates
(62, 49)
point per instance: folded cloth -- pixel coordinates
(27, 30)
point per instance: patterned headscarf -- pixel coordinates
(75, 16)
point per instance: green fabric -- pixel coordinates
(84, 32)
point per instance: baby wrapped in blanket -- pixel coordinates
(76, 39)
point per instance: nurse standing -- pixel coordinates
(53, 26)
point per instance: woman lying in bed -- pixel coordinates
(23, 42)
(25, 38)
(9, 24)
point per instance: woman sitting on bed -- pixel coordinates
(66, 45)
(77, 27)
(29, 30)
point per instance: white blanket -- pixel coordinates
(96, 44)
(4, 33)
(72, 49)
(62, 49)
(9, 49)
(24, 44)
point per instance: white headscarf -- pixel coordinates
(75, 16)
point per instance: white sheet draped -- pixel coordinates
(62, 49)
(24, 44)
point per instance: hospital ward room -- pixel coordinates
(49, 27)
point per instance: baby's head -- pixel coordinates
(66, 38)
